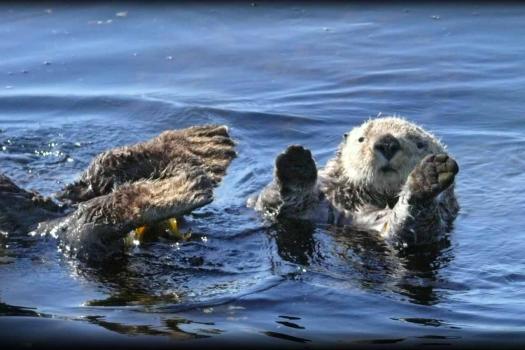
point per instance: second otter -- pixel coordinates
(388, 176)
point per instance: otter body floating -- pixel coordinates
(126, 189)
(388, 176)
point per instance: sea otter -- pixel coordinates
(125, 188)
(388, 176)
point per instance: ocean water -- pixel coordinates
(77, 80)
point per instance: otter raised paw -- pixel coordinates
(433, 175)
(295, 169)
(294, 187)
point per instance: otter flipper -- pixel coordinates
(208, 147)
(20, 210)
(98, 227)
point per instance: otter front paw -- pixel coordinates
(295, 168)
(433, 175)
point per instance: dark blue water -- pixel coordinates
(76, 80)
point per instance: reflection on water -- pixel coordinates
(423, 266)
(295, 241)
(428, 322)
(286, 337)
(11, 310)
(411, 272)
(170, 328)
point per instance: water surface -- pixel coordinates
(76, 80)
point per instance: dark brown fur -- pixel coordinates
(126, 187)
(21, 209)
(206, 147)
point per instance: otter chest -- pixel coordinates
(366, 217)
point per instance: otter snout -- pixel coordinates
(388, 146)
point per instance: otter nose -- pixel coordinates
(388, 145)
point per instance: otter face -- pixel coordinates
(381, 153)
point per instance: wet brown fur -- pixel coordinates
(126, 187)
(205, 147)
(20, 208)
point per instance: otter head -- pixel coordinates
(381, 153)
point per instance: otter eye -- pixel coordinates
(345, 135)
(361, 139)
(421, 144)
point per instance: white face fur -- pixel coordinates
(364, 160)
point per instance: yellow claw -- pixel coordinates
(170, 226)
(173, 226)
(139, 232)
